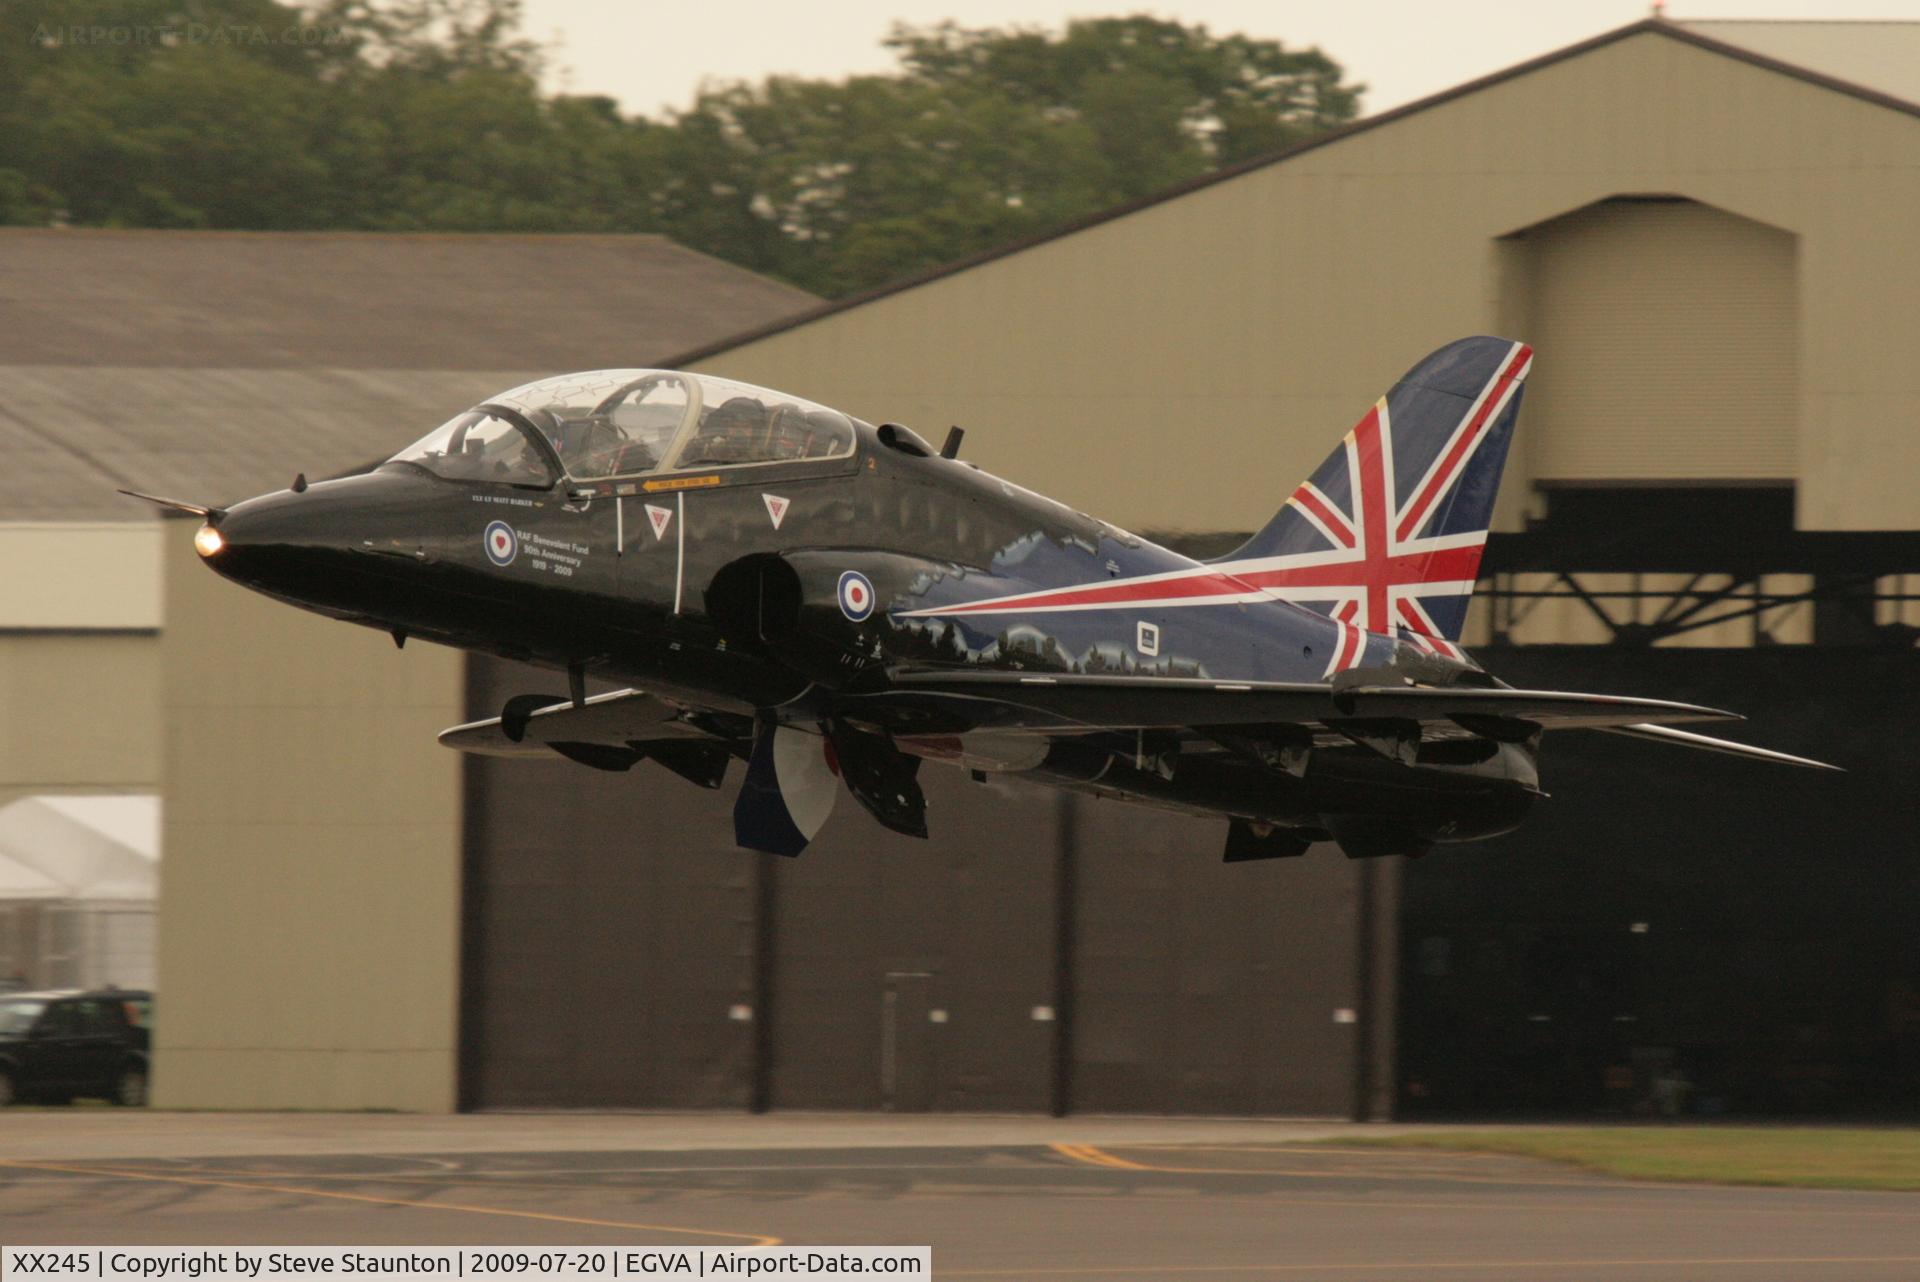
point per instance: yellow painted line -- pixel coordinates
(1433, 1266)
(1326, 1150)
(680, 483)
(483, 1175)
(754, 1239)
(1092, 1156)
(1440, 1176)
(1088, 1155)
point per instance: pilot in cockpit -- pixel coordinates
(527, 459)
(734, 433)
(589, 446)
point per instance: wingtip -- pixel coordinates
(1689, 739)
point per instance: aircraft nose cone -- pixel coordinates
(258, 542)
(268, 521)
(312, 546)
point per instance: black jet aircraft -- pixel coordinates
(831, 602)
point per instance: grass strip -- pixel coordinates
(1784, 1156)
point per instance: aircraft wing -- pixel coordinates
(1686, 739)
(1069, 703)
(614, 731)
(614, 719)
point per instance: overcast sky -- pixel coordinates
(651, 54)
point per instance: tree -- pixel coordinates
(153, 112)
(259, 114)
(1160, 96)
(984, 136)
(428, 114)
(839, 186)
(436, 39)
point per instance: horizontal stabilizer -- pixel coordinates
(620, 717)
(1706, 743)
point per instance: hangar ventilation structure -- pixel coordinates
(1706, 232)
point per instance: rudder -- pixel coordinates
(1387, 533)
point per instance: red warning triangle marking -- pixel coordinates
(776, 508)
(659, 516)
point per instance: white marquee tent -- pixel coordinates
(79, 876)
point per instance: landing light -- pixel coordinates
(207, 540)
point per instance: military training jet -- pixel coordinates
(833, 602)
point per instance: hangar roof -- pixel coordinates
(1876, 55)
(73, 435)
(213, 365)
(365, 300)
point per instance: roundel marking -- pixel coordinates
(856, 596)
(502, 543)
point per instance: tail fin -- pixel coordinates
(1387, 533)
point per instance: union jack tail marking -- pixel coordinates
(1386, 535)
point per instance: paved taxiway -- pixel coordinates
(997, 1198)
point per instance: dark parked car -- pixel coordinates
(56, 1045)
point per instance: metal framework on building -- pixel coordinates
(1708, 600)
(1735, 549)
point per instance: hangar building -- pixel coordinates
(1713, 252)
(1709, 498)
(210, 366)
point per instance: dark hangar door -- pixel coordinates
(908, 1019)
(608, 935)
(1684, 931)
(612, 928)
(620, 952)
(1205, 987)
(917, 975)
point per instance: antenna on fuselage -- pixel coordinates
(951, 447)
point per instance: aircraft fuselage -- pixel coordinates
(722, 587)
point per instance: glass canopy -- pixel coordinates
(627, 423)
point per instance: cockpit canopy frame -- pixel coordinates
(608, 424)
